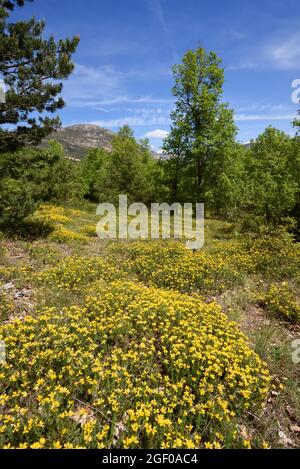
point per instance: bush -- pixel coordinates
(31, 176)
(16, 202)
(281, 301)
(166, 370)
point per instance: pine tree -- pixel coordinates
(31, 68)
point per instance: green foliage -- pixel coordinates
(32, 68)
(202, 127)
(29, 176)
(282, 301)
(129, 169)
(226, 193)
(15, 201)
(296, 122)
(93, 170)
(271, 179)
(260, 184)
(174, 167)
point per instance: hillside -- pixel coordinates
(198, 343)
(77, 139)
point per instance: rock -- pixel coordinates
(286, 441)
(22, 293)
(77, 139)
(295, 428)
(8, 286)
(291, 412)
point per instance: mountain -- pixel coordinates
(77, 139)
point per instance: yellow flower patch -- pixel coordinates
(133, 367)
(78, 271)
(50, 215)
(171, 265)
(63, 235)
(89, 230)
(281, 300)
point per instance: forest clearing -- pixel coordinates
(145, 343)
(149, 232)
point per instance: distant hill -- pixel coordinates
(77, 139)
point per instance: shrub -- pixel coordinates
(76, 271)
(280, 300)
(134, 367)
(89, 230)
(31, 176)
(171, 265)
(6, 305)
(16, 202)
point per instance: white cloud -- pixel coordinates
(242, 65)
(262, 117)
(97, 87)
(156, 120)
(89, 83)
(127, 99)
(285, 54)
(261, 107)
(281, 52)
(133, 121)
(157, 133)
(107, 46)
(238, 34)
(145, 111)
(110, 101)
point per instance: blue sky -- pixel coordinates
(127, 48)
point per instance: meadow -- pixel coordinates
(146, 344)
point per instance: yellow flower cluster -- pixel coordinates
(146, 364)
(75, 213)
(134, 367)
(15, 271)
(274, 254)
(44, 252)
(168, 264)
(63, 235)
(77, 271)
(281, 300)
(171, 265)
(54, 218)
(89, 230)
(50, 214)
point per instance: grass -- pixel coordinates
(126, 344)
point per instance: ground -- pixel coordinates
(145, 343)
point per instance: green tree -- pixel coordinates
(174, 166)
(129, 170)
(30, 176)
(202, 126)
(93, 172)
(295, 170)
(296, 122)
(229, 191)
(271, 176)
(32, 68)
